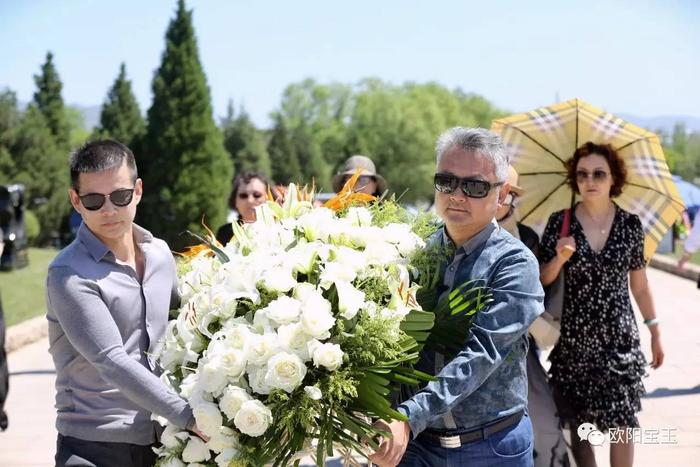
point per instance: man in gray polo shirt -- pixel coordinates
(108, 297)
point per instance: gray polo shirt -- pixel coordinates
(104, 328)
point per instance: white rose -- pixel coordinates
(256, 379)
(327, 355)
(316, 316)
(172, 436)
(208, 417)
(380, 252)
(336, 272)
(212, 375)
(227, 455)
(285, 371)
(278, 279)
(350, 300)
(253, 418)
(223, 439)
(195, 451)
(232, 400)
(284, 310)
(188, 384)
(227, 358)
(313, 392)
(262, 347)
(294, 339)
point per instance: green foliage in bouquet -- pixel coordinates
(369, 268)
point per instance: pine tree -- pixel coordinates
(41, 167)
(283, 156)
(49, 101)
(121, 118)
(9, 121)
(245, 143)
(185, 167)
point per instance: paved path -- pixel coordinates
(672, 405)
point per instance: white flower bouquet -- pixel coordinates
(298, 331)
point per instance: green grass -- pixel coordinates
(23, 289)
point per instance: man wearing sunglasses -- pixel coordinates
(108, 297)
(475, 413)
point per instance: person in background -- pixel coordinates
(691, 245)
(597, 364)
(108, 297)
(369, 181)
(549, 449)
(249, 191)
(4, 373)
(475, 412)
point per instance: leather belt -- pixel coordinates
(477, 434)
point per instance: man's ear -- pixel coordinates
(74, 199)
(503, 192)
(138, 190)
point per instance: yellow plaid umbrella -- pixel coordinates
(541, 141)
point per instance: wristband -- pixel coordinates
(652, 322)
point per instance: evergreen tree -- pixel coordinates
(283, 155)
(245, 143)
(49, 101)
(9, 121)
(185, 167)
(41, 167)
(121, 118)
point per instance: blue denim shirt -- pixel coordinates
(487, 379)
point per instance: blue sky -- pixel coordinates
(640, 57)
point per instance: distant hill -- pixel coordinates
(91, 115)
(665, 122)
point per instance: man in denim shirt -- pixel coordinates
(475, 412)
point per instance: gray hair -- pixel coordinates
(480, 140)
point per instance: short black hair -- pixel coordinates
(100, 155)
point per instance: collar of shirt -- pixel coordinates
(98, 250)
(473, 243)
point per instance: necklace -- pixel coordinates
(601, 226)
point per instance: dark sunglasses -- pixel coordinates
(474, 188)
(255, 194)
(94, 201)
(597, 175)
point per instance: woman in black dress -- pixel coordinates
(249, 191)
(598, 365)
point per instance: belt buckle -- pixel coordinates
(450, 442)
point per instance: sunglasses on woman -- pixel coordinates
(94, 201)
(472, 187)
(255, 194)
(597, 175)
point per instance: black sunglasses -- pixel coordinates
(94, 201)
(472, 187)
(255, 194)
(597, 175)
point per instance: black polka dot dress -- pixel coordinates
(598, 365)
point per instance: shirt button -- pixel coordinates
(452, 268)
